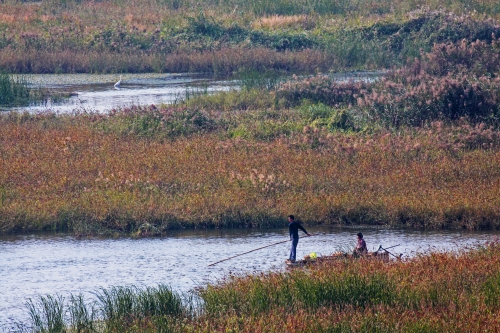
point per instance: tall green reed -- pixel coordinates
(251, 79)
(298, 290)
(13, 91)
(82, 316)
(127, 303)
(113, 310)
(47, 314)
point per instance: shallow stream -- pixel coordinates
(97, 92)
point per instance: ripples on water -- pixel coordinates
(33, 265)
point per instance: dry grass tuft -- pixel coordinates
(285, 22)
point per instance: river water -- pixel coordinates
(50, 264)
(97, 93)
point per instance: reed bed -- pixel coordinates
(163, 168)
(449, 82)
(12, 91)
(248, 159)
(17, 91)
(433, 292)
(145, 36)
(117, 309)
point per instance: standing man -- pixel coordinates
(293, 228)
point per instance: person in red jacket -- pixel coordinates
(360, 248)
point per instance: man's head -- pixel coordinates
(360, 235)
(291, 218)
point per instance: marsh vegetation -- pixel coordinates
(226, 37)
(18, 91)
(418, 148)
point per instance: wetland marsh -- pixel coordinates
(151, 182)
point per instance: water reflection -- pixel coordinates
(98, 93)
(32, 265)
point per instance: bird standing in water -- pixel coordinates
(117, 84)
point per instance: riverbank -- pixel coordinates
(435, 292)
(224, 38)
(154, 169)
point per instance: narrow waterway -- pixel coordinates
(97, 92)
(50, 264)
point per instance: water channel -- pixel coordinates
(97, 93)
(58, 264)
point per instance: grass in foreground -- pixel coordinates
(437, 292)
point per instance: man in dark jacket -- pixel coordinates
(293, 228)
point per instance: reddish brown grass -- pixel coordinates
(63, 172)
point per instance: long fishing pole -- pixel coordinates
(395, 256)
(390, 247)
(263, 247)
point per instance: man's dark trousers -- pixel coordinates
(293, 250)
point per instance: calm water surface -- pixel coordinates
(96, 92)
(32, 265)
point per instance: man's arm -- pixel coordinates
(304, 230)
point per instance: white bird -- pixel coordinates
(117, 84)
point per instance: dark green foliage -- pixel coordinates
(299, 290)
(13, 92)
(205, 26)
(47, 315)
(125, 303)
(113, 311)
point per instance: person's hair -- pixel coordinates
(291, 217)
(360, 235)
